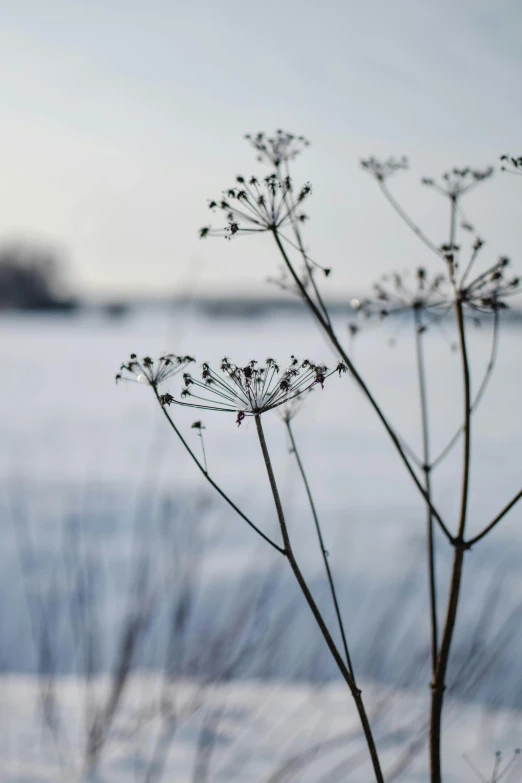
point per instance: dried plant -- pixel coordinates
(499, 771)
(255, 206)
(272, 205)
(514, 165)
(253, 389)
(402, 293)
(152, 373)
(279, 149)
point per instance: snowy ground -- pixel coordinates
(251, 732)
(98, 502)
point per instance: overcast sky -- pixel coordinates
(120, 118)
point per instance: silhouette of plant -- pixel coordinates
(272, 205)
(514, 165)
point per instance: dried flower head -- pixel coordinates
(291, 408)
(258, 205)
(488, 291)
(399, 293)
(382, 169)
(457, 182)
(152, 372)
(252, 389)
(515, 165)
(278, 149)
(499, 771)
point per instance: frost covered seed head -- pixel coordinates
(152, 372)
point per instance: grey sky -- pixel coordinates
(119, 119)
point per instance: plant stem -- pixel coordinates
(203, 450)
(355, 691)
(409, 222)
(342, 353)
(466, 433)
(421, 373)
(322, 547)
(297, 233)
(480, 393)
(497, 519)
(439, 683)
(211, 480)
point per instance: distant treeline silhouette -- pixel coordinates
(31, 278)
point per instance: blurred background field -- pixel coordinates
(124, 580)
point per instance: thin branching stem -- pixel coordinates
(211, 480)
(460, 545)
(432, 581)
(355, 691)
(204, 452)
(406, 218)
(410, 452)
(467, 421)
(322, 547)
(495, 521)
(480, 393)
(439, 683)
(297, 233)
(334, 340)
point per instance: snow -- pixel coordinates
(100, 507)
(252, 732)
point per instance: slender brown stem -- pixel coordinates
(322, 547)
(466, 433)
(432, 582)
(439, 682)
(297, 233)
(409, 222)
(497, 519)
(335, 342)
(355, 691)
(211, 480)
(204, 453)
(480, 393)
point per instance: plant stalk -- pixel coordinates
(439, 682)
(211, 480)
(426, 468)
(359, 380)
(355, 691)
(322, 547)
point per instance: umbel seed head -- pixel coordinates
(255, 205)
(252, 389)
(152, 372)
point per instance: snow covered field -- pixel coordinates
(99, 507)
(252, 732)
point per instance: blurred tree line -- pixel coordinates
(32, 278)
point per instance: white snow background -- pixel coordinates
(100, 507)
